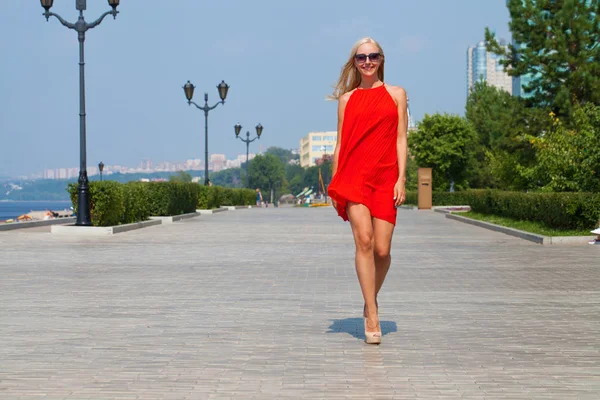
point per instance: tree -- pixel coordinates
(267, 172)
(283, 154)
(502, 123)
(568, 159)
(311, 174)
(230, 177)
(558, 46)
(294, 175)
(411, 174)
(490, 111)
(445, 143)
(181, 176)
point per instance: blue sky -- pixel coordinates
(280, 59)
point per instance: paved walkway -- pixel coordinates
(264, 304)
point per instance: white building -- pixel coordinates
(316, 144)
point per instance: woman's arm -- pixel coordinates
(401, 144)
(341, 108)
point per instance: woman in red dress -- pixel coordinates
(369, 167)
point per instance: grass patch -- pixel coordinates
(527, 226)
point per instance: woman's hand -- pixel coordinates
(399, 193)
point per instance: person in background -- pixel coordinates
(259, 198)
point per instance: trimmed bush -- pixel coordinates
(203, 197)
(137, 205)
(215, 196)
(113, 203)
(172, 198)
(411, 197)
(106, 202)
(557, 210)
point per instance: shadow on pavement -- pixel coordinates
(356, 327)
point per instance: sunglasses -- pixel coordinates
(373, 57)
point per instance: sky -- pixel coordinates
(280, 59)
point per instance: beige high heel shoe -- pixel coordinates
(371, 337)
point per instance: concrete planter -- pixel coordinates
(100, 230)
(36, 224)
(211, 211)
(175, 218)
(532, 237)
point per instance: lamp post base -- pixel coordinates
(83, 201)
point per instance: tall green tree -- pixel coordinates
(294, 175)
(568, 158)
(311, 175)
(230, 177)
(558, 46)
(180, 176)
(267, 173)
(502, 122)
(284, 155)
(445, 143)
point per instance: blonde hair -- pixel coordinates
(350, 76)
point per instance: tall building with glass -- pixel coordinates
(485, 66)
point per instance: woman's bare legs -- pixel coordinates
(362, 229)
(382, 235)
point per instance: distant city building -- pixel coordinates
(316, 144)
(217, 162)
(237, 162)
(485, 66)
(145, 165)
(192, 165)
(90, 170)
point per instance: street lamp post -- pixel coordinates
(188, 88)
(238, 129)
(101, 168)
(81, 27)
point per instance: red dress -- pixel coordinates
(367, 168)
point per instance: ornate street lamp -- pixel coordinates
(188, 89)
(81, 27)
(101, 168)
(238, 128)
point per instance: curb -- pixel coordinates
(532, 237)
(101, 230)
(407, 207)
(233, 208)
(451, 209)
(211, 211)
(175, 218)
(36, 224)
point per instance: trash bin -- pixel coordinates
(424, 199)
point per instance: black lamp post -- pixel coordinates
(188, 88)
(238, 129)
(101, 168)
(81, 27)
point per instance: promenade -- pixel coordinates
(265, 304)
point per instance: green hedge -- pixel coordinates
(217, 196)
(556, 210)
(137, 202)
(172, 198)
(113, 203)
(107, 202)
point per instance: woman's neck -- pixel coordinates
(369, 83)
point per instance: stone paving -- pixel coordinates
(264, 304)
